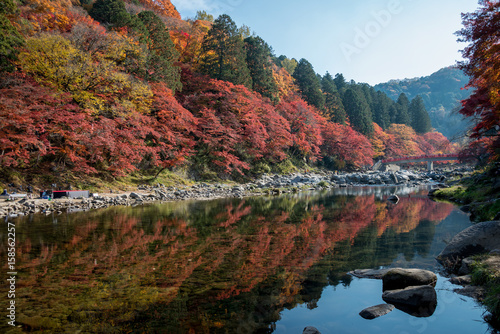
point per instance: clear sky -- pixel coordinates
(369, 41)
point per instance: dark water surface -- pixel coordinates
(253, 265)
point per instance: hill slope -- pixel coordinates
(441, 92)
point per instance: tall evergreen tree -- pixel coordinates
(393, 112)
(10, 38)
(420, 120)
(402, 105)
(340, 82)
(224, 56)
(358, 112)
(334, 108)
(162, 52)
(259, 63)
(309, 84)
(113, 14)
(380, 110)
(110, 12)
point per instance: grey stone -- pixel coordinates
(476, 292)
(465, 268)
(495, 252)
(461, 280)
(376, 311)
(135, 195)
(369, 273)
(412, 295)
(480, 238)
(418, 301)
(311, 330)
(399, 278)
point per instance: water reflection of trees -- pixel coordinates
(208, 266)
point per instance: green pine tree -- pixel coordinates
(358, 112)
(334, 109)
(402, 105)
(224, 56)
(309, 85)
(110, 12)
(162, 52)
(113, 14)
(380, 110)
(10, 38)
(420, 120)
(340, 82)
(259, 63)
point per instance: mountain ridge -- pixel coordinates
(441, 92)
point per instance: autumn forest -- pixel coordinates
(112, 87)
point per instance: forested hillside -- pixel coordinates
(441, 93)
(112, 87)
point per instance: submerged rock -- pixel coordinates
(369, 273)
(399, 278)
(418, 301)
(394, 199)
(311, 330)
(461, 280)
(376, 311)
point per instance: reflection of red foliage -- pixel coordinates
(240, 252)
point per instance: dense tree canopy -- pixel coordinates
(358, 112)
(420, 120)
(402, 116)
(334, 108)
(224, 56)
(10, 38)
(101, 95)
(482, 32)
(162, 53)
(259, 63)
(309, 84)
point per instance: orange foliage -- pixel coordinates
(379, 140)
(284, 82)
(188, 44)
(162, 7)
(47, 15)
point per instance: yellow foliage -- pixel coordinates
(284, 81)
(97, 84)
(53, 58)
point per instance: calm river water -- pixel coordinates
(253, 265)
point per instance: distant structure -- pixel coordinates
(422, 158)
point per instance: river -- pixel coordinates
(251, 265)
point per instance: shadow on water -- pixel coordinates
(224, 266)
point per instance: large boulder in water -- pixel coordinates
(399, 278)
(418, 301)
(480, 238)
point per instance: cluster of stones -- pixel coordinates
(266, 184)
(409, 290)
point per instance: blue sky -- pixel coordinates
(368, 41)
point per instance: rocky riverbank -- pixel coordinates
(471, 260)
(265, 185)
(478, 194)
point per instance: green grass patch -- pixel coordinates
(458, 193)
(488, 277)
(492, 302)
